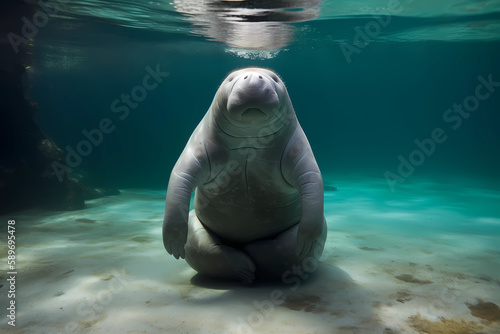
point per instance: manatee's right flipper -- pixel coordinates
(208, 255)
(191, 169)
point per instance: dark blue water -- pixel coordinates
(361, 110)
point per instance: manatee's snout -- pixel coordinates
(253, 97)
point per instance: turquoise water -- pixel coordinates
(359, 116)
(400, 101)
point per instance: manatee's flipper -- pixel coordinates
(191, 169)
(299, 168)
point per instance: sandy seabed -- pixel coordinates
(422, 259)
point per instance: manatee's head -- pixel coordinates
(251, 98)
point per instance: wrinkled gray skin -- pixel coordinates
(258, 207)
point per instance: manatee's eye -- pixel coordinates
(275, 78)
(230, 78)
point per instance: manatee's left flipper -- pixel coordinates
(299, 168)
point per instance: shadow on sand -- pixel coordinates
(326, 301)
